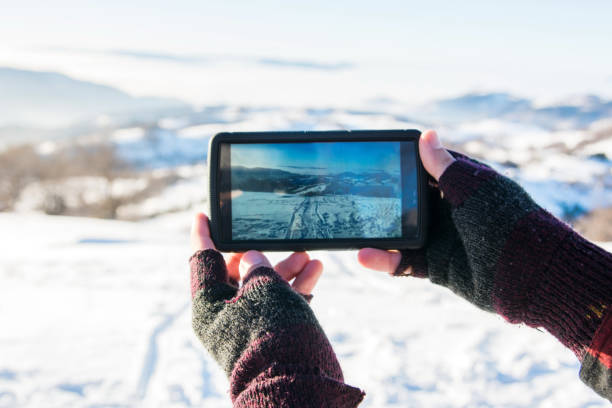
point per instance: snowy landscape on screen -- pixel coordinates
(293, 216)
(96, 313)
(320, 190)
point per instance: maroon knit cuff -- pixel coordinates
(284, 367)
(580, 283)
(565, 283)
(462, 178)
(313, 354)
(300, 391)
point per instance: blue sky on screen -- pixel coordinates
(320, 158)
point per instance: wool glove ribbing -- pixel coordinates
(493, 245)
(266, 338)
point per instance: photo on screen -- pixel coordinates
(317, 190)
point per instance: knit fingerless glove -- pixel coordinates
(266, 338)
(493, 245)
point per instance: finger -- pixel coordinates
(250, 261)
(306, 280)
(434, 156)
(379, 260)
(289, 267)
(200, 233)
(233, 265)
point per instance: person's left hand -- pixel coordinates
(298, 267)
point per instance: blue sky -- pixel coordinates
(320, 158)
(412, 50)
(560, 29)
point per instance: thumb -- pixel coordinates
(250, 261)
(434, 156)
(378, 259)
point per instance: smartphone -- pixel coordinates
(296, 191)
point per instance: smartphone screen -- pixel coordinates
(324, 190)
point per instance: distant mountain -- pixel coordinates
(259, 179)
(576, 113)
(33, 99)
(270, 180)
(473, 107)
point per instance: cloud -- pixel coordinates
(200, 59)
(305, 64)
(192, 59)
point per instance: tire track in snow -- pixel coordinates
(150, 360)
(296, 220)
(307, 222)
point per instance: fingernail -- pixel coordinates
(254, 258)
(251, 261)
(434, 140)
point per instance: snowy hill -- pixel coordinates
(98, 315)
(573, 113)
(474, 107)
(33, 103)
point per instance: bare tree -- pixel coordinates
(19, 166)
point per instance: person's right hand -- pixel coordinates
(479, 220)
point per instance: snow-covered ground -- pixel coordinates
(261, 215)
(96, 314)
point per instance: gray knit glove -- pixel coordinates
(494, 246)
(266, 338)
(470, 226)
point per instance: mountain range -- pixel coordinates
(577, 113)
(36, 105)
(370, 184)
(50, 100)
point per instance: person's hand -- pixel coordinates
(436, 160)
(263, 334)
(479, 221)
(298, 267)
(490, 243)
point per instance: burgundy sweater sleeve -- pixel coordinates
(266, 339)
(536, 269)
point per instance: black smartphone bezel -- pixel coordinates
(216, 190)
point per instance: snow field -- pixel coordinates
(97, 313)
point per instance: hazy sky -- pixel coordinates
(320, 158)
(412, 51)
